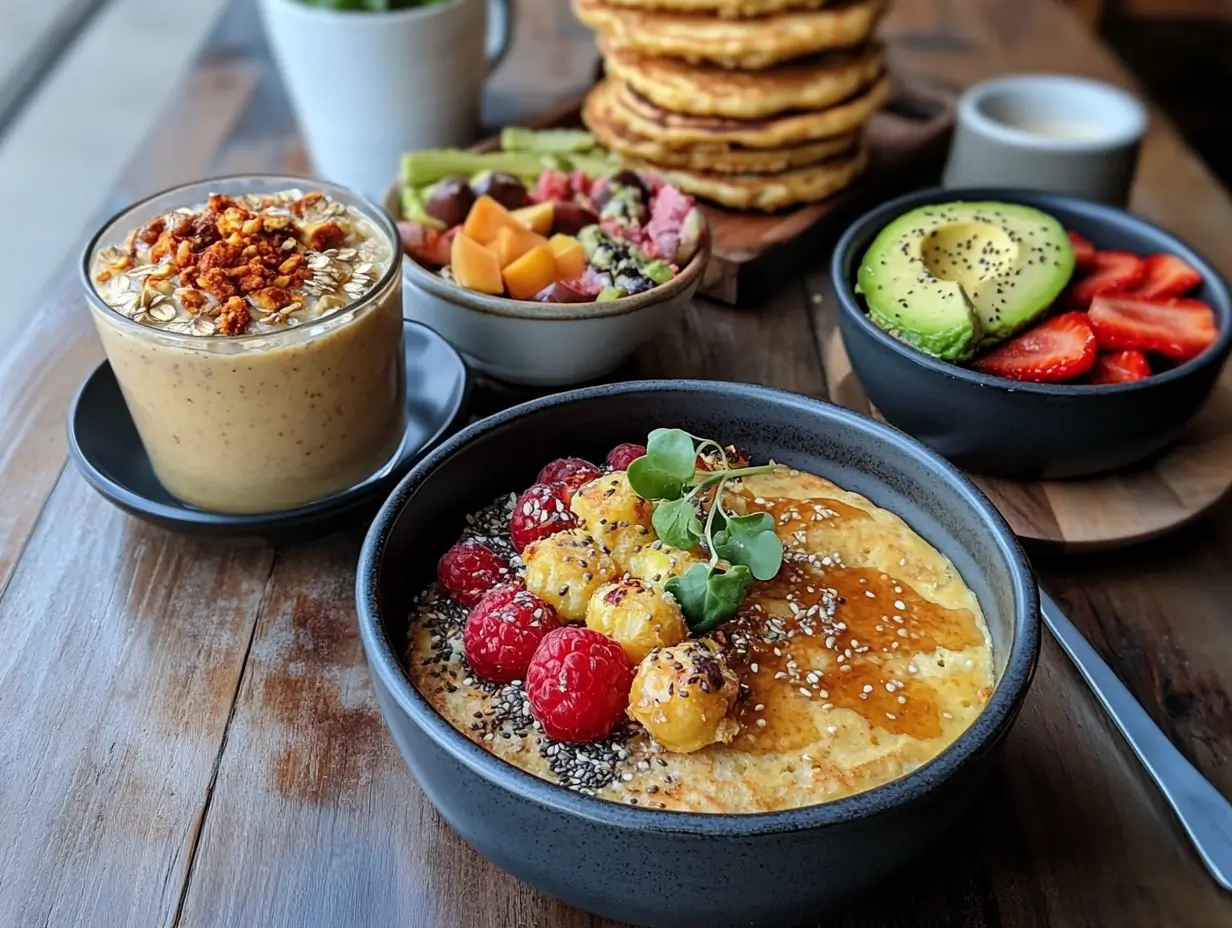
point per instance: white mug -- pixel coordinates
(368, 86)
(1051, 132)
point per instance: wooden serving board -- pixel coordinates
(1093, 514)
(753, 252)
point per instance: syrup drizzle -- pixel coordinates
(835, 636)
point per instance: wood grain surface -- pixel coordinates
(189, 736)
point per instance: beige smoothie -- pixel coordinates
(258, 343)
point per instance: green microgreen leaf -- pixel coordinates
(652, 482)
(671, 450)
(750, 541)
(677, 524)
(709, 596)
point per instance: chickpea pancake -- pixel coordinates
(861, 660)
(747, 44)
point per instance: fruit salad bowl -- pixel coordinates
(638, 863)
(987, 423)
(546, 344)
(543, 262)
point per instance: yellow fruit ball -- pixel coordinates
(636, 614)
(657, 562)
(682, 695)
(565, 569)
(617, 517)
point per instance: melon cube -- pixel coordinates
(512, 243)
(569, 255)
(538, 216)
(475, 266)
(486, 218)
(530, 273)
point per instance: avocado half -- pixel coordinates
(951, 278)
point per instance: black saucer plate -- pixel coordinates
(107, 450)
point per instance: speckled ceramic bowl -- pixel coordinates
(674, 869)
(543, 344)
(1003, 428)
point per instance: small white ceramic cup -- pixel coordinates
(368, 86)
(1051, 132)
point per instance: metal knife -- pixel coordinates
(1203, 811)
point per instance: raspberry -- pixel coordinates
(572, 472)
(541, 511)
(620, 457)
(503, 631)
(578, 684)
(468, 570)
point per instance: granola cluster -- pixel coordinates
(237, 265)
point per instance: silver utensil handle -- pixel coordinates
(1203, 811)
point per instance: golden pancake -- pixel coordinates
(721, 158)
(865, 658)
(728, 9)
(767, 192)
(754, 43)
(640, 117)
(708, 90)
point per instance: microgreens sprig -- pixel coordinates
(709, 594)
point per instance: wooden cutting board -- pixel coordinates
(1092, 514)
(753, 252)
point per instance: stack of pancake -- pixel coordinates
(754, 104)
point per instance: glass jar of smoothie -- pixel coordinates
(254, 325)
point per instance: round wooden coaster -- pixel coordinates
(1097, 513)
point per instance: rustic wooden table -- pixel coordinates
(187, 731)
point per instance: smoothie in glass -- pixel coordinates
(255, 328)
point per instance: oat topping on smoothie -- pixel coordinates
(243, 265)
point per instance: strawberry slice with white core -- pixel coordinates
(1084, 251)
(1177, 329)
(1120, 367)
(1110, 272)
(1057, 350)
(1165, 276)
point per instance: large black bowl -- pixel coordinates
(993, 426)
(682, 869)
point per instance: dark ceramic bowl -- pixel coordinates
(671, 868)
(993, 426)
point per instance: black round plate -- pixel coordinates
(108, 452)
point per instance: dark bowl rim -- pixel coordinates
(984, 732)
(873, 221)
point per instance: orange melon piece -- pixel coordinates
(486, 218)
(512, 243)
(530, 273)
(538, 216)
(569, 256)
(475, 266)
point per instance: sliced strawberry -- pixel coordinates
(1166, 275)
(1177, 329)
(1056, 350)
(1084, 251)
(1110, 272)
(1120, 367)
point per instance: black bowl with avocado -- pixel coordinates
(984, 423)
